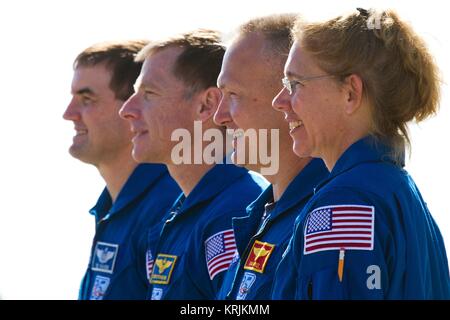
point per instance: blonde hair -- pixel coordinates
(400, 78)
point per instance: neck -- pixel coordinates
(116, 174)
(331, 156)
(187, 176)
(292, 165)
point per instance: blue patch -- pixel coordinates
(99, 288)
(105, 255)
(157, 294)
(247, 282)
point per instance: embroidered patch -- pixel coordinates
(149, 261)
(99, 288)
(105, 255)
(220, 249)
(247, 281)
(258, 257)
(157, 293)
(164, 266)
(339, 227)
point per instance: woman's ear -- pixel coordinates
(353, 86)
(208, 101)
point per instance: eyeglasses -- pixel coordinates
(291, 84)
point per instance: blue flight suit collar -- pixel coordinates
(207, 188)
(365, 150)
(300, 188)
(142, 178)
(245, 227)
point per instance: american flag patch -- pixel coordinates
(339, 227)
(149, 261)
(220, 250)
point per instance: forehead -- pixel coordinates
(158, 67)
(95, 77)
(243, 55)
(300, 62)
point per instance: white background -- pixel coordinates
(45, 228)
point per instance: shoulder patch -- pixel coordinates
(220, 249)
(104, 258)
(259, 255)
(348, 227)
(164, 266)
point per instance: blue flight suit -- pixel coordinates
(365, 234)
(113, 271)
(250, 277)
(196, 243)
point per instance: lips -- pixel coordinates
(79, 131)
(138, 133)
(295, 124)
(238, 133)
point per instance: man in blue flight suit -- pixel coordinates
(135, 196)
(176, 93)
(249, 79)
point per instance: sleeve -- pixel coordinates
(343, 248)
(215, 248)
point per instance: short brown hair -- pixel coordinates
(198, 66)
(400, 78)
(275, 28)
(118, 57)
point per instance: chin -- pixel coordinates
(301, 151)
(139, 157)
(234, 160)
(78, 153)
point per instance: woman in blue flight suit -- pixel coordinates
(352, 84)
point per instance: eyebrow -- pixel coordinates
(83, 91)
(147, 85)
(231, 84)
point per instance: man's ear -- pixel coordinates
(353, 89)
(208, 101)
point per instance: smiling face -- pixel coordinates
(101, 135)
(314, 110)
(157, 108)
(249, 80)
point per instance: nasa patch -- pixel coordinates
(157, 294)
(247, 282)
(99, 288)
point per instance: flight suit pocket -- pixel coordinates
(321, 285)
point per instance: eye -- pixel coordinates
(295, 83)
(148, 94)
(86, 100)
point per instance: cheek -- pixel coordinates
(237, 114)
(246, 113)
